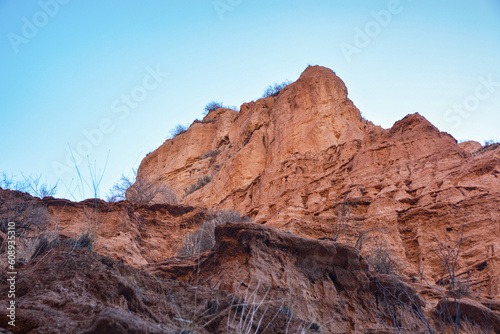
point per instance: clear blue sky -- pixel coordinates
(126, 72)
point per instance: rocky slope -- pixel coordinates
(295, 161)
(68, 290)
(329, 193)
(134, 234)
(255, 279)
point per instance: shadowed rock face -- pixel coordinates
(288, 283)
(69, 290)
(134, 234)
(312, 279)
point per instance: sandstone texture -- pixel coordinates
(327, 192)
(134, 234)
(69, 290)
(291, 161)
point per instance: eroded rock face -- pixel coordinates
(322, 280)
(470, 146)
(134, 234)
(256, 278)
(68, 290)
(290, 161)
(307, 117)
(305, 166)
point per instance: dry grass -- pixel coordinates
(141, 191)
(204, 238)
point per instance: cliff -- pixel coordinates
(355, 229)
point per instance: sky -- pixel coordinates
(88, 88)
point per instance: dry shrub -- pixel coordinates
(274, 90)
(202, 181)
(212, 105)
(30, 184)
(382, 260)
(179, 129)
(204, 238)
(142, 191)
(43, 243)
(29, 214)
(210, 154)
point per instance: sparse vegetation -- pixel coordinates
(37, 245)
(207, 121)
(210, 154)
(212, 105)
(490, 145)
(249, 312)
(142, 191)
(204, 238)
(33, 222)
(39, 189)
(344, 225)
(382, 260)
(274, 90)
(407, 304)
(30, 184)
(29, 248)
(343, 211)
(179, 129)
(30, 215)
(202, 181)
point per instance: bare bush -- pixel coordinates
(142, 191)
(36, 188)
(343, 210)
(179, 129)
(451, 288)
(29, 214)
(247, 315)
(204, 238)
(491, 142)
(403, 306)
(49, 240)
(344, 225)
(274, 90)
(488, 145)
(200, 183)
(8, 182)
(213, 105)
(382, 260)
(30, 184)
(210, 154)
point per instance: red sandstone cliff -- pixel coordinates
(288, 161)
(307, 168)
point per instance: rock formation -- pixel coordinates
(290, 161)
(329, 193)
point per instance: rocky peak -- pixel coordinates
(329, 194)
(308, 116)
(290, 160)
